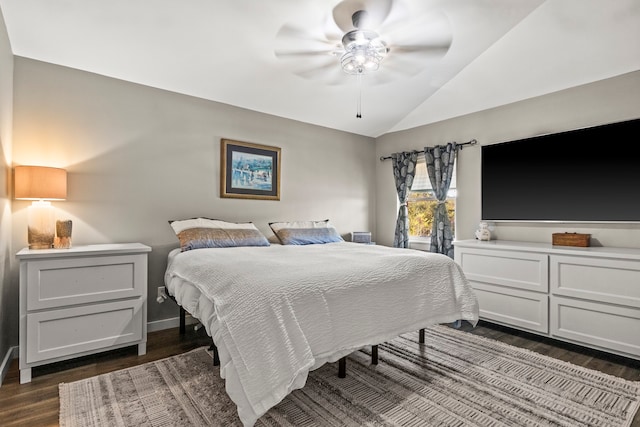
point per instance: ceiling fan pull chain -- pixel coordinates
(359, 104)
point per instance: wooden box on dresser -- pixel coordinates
(81, 300)
(587, 296)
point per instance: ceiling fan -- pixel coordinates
(382, 39)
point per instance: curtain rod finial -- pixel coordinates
(472, 142)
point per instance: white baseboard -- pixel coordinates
(12, 353)
(172, 322)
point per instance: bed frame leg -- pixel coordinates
(342, 367)
(374, 354)
(216, 356)
(421, 336)
(183, 315)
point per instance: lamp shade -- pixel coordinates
(40, 183)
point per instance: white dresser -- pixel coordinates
(587, 296)
(79, 301)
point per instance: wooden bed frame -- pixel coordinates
(342, 362)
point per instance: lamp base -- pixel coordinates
(41, 229)
(39, 240)
(41, 246)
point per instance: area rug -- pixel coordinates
(454, 379)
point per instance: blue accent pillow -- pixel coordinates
(305, 232)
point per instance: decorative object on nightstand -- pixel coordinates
(79, 301)
(63, 235)
(40, 184)
(361, 237)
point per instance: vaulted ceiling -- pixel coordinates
(501, 51)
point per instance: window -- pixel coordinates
(421, 203)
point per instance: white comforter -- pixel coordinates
(278, 312)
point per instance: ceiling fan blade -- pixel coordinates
(310, 52)
(304, 53)
(325, 68)
(434, 50)
(293, 39)
(291, 33)
(294, 42)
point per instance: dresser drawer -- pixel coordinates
(72, 331)
(608, 327)
(600, 279)
(518, 270)
(68, 281)
(523, 309)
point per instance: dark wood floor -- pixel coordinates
(36, 404)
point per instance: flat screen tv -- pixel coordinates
(584, 175)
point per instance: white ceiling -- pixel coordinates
(502, 51)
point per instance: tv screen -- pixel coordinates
(584, 175)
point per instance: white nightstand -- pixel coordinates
(79, 301)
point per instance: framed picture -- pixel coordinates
(249, 171)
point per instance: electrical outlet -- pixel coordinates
(162, 294)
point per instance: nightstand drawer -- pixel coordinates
(68, 281)
(73, 331)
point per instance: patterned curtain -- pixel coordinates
(404, 169)
(440, 161)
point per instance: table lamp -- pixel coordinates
(40, 184)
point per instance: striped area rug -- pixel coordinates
(454, 379)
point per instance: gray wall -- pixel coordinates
(8, 293)
(137, 157)
(607, 101)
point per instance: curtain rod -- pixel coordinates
(472, 142)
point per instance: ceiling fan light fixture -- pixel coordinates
(364, 51)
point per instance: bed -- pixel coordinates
(278, 311)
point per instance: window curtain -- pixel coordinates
(440, 161)
(404, 169)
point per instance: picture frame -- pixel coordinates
(249, 171)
